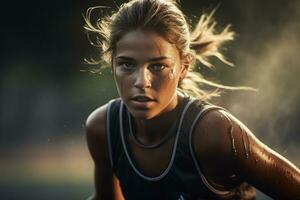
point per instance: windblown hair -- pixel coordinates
(165, 18)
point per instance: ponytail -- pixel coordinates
(205, 43)
(201, 44)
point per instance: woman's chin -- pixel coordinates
(142, 114)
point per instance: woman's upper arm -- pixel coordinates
(97, 145)
(230, 148)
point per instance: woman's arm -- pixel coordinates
(230, 153)
(97, 144)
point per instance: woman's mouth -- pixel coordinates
(142, 98)
(142, 101)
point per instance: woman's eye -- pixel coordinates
(157, 67)
(127, 66)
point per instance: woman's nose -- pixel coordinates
(143, 79)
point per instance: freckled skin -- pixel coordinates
(228, 152)
(142, 46)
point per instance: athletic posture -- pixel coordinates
(162, 139)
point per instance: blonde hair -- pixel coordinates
(165, 18)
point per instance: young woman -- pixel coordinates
(161, 139)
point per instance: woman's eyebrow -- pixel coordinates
(158, 58)
(148, 60)
(125, 58)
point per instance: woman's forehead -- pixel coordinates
(142, 45)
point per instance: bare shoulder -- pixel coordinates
(98, 147)
(217, 138)
(96, 133)
(211, 135)
(223, 136)
(95, 122)
(226, 148)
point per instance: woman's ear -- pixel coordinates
(185, 64)
(112, 67)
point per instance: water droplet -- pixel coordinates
(244, 143)
(232, 139)
(171, 75)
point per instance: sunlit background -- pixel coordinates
(45, 99)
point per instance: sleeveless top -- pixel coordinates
(182, 179)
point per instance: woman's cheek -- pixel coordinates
(167, 88)
(120, 80)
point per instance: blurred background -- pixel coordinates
(45, 98)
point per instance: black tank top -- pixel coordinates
(182, 179)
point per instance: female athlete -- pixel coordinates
(162, 139)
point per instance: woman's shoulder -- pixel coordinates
(95, 122)
(212, 133)
(219, 134)
(95, 129)
(222, 142)
(217, 137)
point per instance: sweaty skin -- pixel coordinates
(262, 168)
(228, 152)
(146, 64)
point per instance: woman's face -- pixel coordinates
(147, 69)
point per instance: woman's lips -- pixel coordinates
(142, 98)
(142, 102)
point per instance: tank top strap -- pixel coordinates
(195, 112)
(197, 107)
(113, 130)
